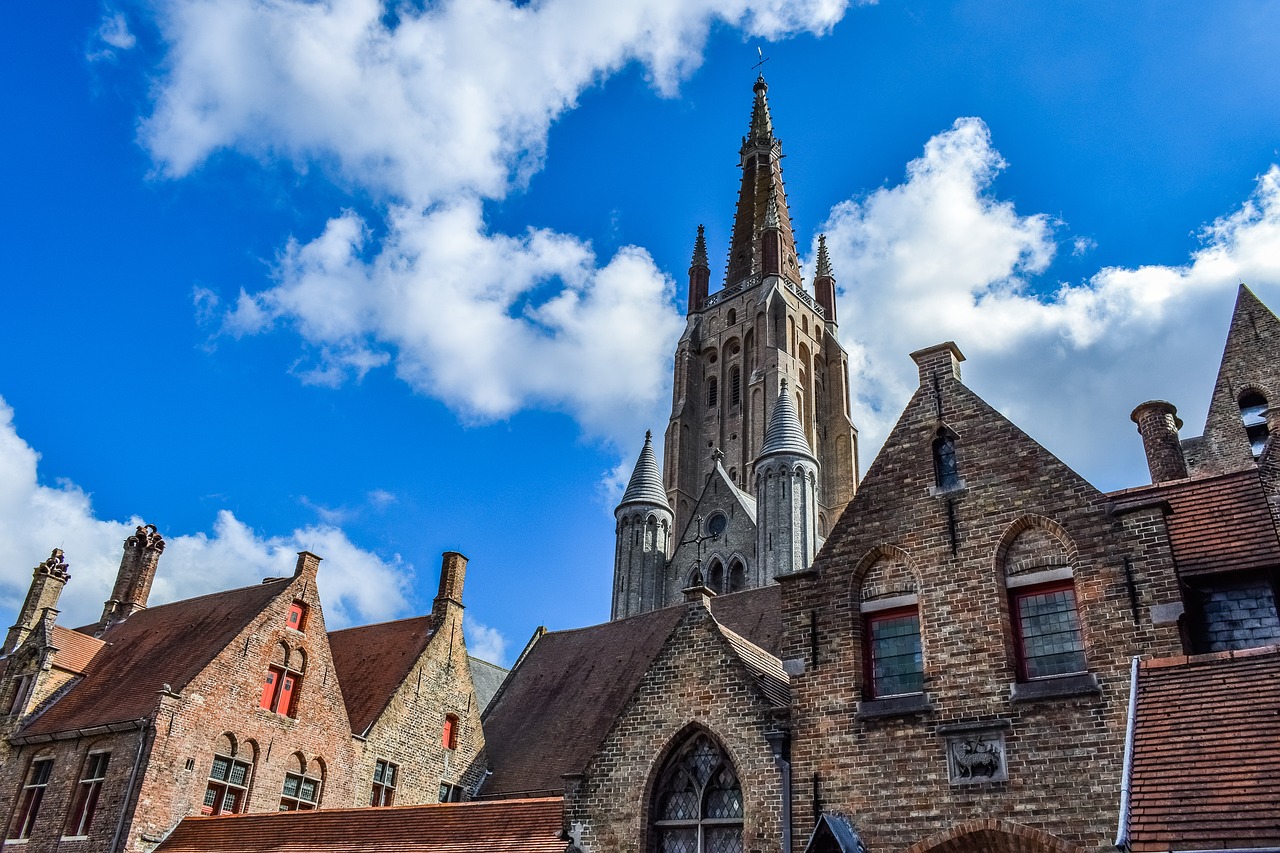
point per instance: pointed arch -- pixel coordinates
(695, 798)
(991, 834)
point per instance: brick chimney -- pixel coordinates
(308, 564)
(47, 581)
(940, 359)
(1158, 424)
(142, 553)
(453, 573)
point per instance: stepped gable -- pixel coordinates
(563, 697)
(1206, 759)
(372, 661)
(1216, 524)
(169, 644)
(503, 826)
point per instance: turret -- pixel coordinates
(142, 553)
(1158, 424)
(47, 582)
(643, 539)
(699, 273)
(786, 493)
(824, 283)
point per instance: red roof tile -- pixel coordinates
(561, 700)
(1216, 524)
(169, 644)
(1206, 767)
(373, 660)
(500, 826)
(75, 650)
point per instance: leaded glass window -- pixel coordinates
(946, 469)
(1049, 631)
(697, 804)
(896, 664)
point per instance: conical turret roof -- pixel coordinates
(824, 260)
(761, 197)
(784, 433)
(700, 250)
(645, 485)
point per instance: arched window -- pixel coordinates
(736, 579)
(713, 392)
(283, 681)
(733, 317)
(227, 791)
(301, 791)
(1043, 612)
(297, 619)
(1253, 412)
(735, 386)
(697, 803)
(946, 470)
(449, 735)
(715, 577)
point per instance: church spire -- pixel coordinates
(699, 273)
(645, 485)
(824, 283)
(784, 433)
(761, 161)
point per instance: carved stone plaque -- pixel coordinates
(975, 757)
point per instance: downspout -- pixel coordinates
(779, 740)
(1126, 773)
(144, 725)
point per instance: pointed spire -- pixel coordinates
(824, 260)
(645, 485)
(761, 162)
(700, 250)
(784, 433)
(699, 273)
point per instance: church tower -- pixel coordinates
(753, 478)
(761, 327)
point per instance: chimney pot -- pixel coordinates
(1158, 424)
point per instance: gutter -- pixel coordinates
(778, 741)
(75, 734)
(130, 790)
(1126, 773)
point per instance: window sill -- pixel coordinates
(894, 706)
(951, 491)
(74, 838)
(1058, 687)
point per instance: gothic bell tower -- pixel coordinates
(742, 341)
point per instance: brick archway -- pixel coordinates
(993, 836)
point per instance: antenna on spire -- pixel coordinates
(763, 60)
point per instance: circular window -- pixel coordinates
(717, 523)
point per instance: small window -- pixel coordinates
(384, 783)
(228, 788)
(297, 618)
(1253, 412)
(733, 317)
(32, 795)
(716, 524)
(85, 803)
(735, 387)
(21, 693)
(946, 469)
(449, 737)
(1047, 625)
(713, 392)
(895, 665)
(280, 691)
(301, 792)
(450, 793)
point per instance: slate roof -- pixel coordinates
(75, 650)
(169, 644)
(645, 485)
(372, 661)
(785, 434)
(1216, 524)
(561, 700)
(501, 826)
(486, 678)
(1206, 767)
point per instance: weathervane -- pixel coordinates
(763, 60)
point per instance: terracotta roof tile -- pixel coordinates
(1206, 768)
(501, 826)
(373, 660)
(1215, 524)
(773, 681)
(561, 700)
(169, 644)
(75, 650)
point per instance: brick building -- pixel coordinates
(239, 701)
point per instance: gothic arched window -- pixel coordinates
(697, 803)
(945, 468)
(712, 392)
(735, 386)
(1253, 412)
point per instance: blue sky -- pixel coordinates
(385, 281)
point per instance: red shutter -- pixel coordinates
(269, 691)
(449, 741)
(295, 616)
(286, 694)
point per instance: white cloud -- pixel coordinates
(356, 585)
(487, 323)
(938, 258)
(484, 642)
(112, 35)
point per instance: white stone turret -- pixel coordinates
(786, 494)
(644, 539)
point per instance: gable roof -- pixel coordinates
(75, 650)
(562, 698)
(502, 826)
(1206, 752)
(486, 678)
(1215, 524)
(169, 644)
(774, 683)
(372, 661)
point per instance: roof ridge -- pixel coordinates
(426, 616)
(1210, 657)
